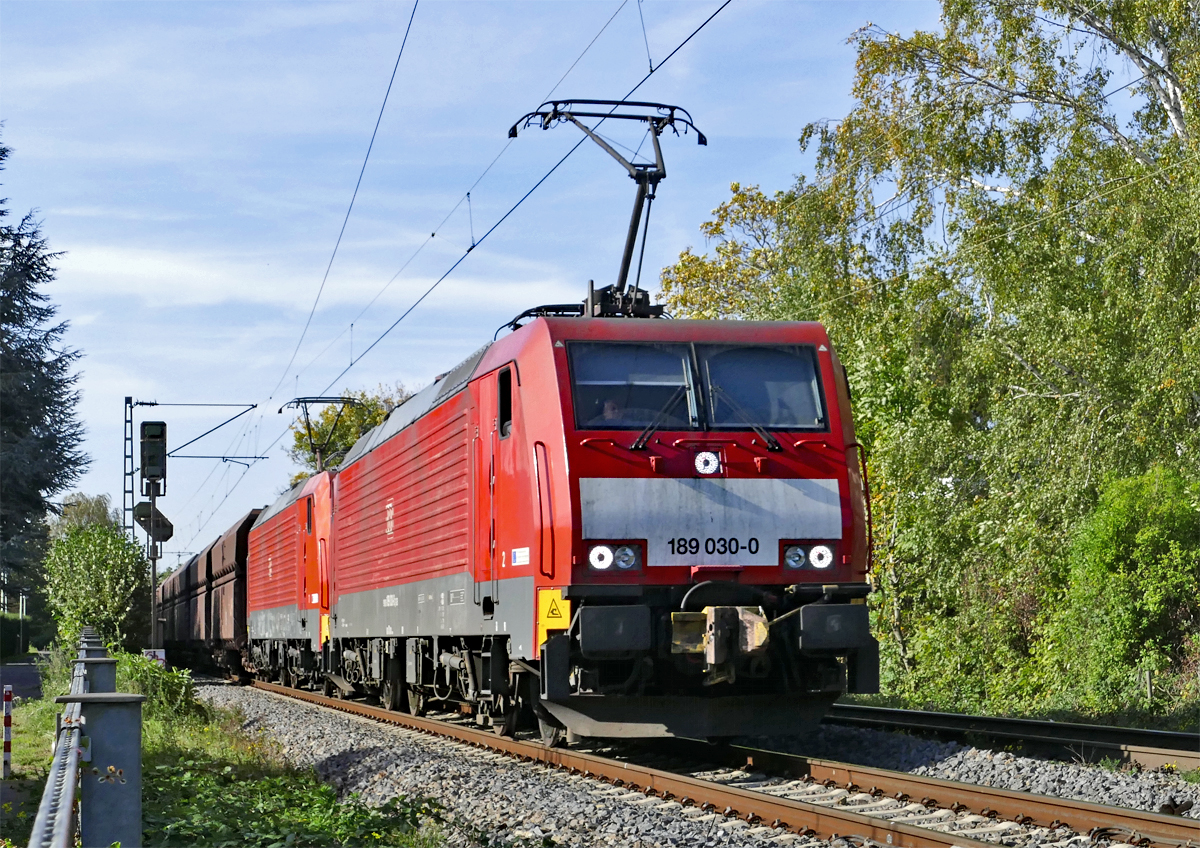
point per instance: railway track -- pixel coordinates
(776, 792)
(1146, 748)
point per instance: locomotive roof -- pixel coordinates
(281, 503)
(454, 380)
(416, 406)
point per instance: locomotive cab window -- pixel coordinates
(504, 402)
(623, 386)
(776, 387)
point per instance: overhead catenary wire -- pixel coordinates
(517, 205)
(436, 230)
(645, 38)
(490, 230)
(350, 208)
(465, 197)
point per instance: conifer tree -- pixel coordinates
(40, 435)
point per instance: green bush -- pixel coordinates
(168, 691)
(96, 576)
(1127, 607)
(56, 666)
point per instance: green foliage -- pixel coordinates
(96, 576)
(1127, 606)
(209, 800)
(1011, 274)
(168, 691)
(38, 634)
(39, 433)
(338, 426)
(206, 782)
(56, 666)
(80, 510)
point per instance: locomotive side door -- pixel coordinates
(483, 482)
(308, 555)
(494, 486)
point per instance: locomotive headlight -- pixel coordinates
(626, 557)
(794, 556)
(600, 557)
(707, 462)
(820, 556)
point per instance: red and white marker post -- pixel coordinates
(7, 732)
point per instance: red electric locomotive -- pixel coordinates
(622, 525)
(632, 527)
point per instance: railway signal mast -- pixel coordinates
(158, 528)
(614, 300)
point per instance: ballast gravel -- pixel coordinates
(503, 800)
(1146, 790)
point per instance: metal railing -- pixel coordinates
(97, 762)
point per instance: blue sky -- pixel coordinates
(194, 161)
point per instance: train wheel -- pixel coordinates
(552, 735)
(416, 702)
(504, 714)
(389, 695)
(506, 724)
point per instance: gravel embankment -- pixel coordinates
(1146, 790)
(505, 800)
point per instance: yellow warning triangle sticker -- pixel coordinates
(553, 612)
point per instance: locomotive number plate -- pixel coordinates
(710, 521)
(721, 545)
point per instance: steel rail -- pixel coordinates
(1022, 807)
(1147, 748)
(1026, 808)
(750, 806)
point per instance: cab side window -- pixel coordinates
(504, 402)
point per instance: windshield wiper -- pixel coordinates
(660, 418)
(772, 442)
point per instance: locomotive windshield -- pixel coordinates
(627, 386)
(621, 385)
(772, 387)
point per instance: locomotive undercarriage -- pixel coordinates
(622, 668)
(652, 669)
(472, 674)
